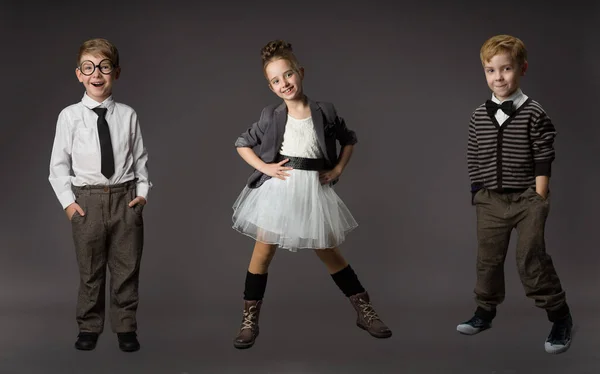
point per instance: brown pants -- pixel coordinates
(497, 215)
(110, 233)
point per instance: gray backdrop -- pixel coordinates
(405, 76)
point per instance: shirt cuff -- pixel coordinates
(66, 198)
(142, 190)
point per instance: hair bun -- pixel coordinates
(275, 48)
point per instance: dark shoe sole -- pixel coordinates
(380, 335)
(243, 345)
(130, 349)
(85, 347)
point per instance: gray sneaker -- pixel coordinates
(474, 326)
(559, 339)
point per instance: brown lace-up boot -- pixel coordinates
(249, 328)
(367, 319)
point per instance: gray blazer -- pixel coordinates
(266, 136)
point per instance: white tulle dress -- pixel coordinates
(299, 212)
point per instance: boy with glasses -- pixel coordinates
(99, 174)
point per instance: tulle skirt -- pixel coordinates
(296, 213)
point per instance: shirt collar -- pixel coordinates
(90, 103)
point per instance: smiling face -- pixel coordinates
(284, 80)
(98, 86)
(503, 75)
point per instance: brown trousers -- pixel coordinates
(497, 215)
(110, 233)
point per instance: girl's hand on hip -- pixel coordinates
(276, 170)
(329, 176)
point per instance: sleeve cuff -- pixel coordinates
(543, 168)
(476, 186)
(66, 198)
(142, 189)
(351, 141)
(241, 142)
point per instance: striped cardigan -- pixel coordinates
(512, 155)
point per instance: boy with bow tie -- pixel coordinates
(509, 157)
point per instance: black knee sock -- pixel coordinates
(255, 286)
(347, 281)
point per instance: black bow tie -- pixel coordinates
(492, 107)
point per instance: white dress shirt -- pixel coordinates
(76, 158)
(518, 98)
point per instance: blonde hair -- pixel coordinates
(278, 50)
(503, 44)
(99, 46)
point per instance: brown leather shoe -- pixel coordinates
(249, 329)
(367, 318)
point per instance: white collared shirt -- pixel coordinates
(76, 158)
(518, 98)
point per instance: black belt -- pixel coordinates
(302, 163)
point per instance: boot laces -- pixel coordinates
(367, 311)
(249, 319)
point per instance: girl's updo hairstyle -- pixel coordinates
(278, 50)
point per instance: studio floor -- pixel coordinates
(297, 338)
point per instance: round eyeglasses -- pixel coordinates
(87, 67)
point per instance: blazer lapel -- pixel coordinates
(317, 118)
(280, 118)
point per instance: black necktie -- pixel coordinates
(106, 151)
(492, 107)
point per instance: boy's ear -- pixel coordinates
(117, 72)
(524, 68)
(78, 74)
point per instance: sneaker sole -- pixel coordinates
(469, 330)
(554, 351)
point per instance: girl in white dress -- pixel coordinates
(289, 201)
